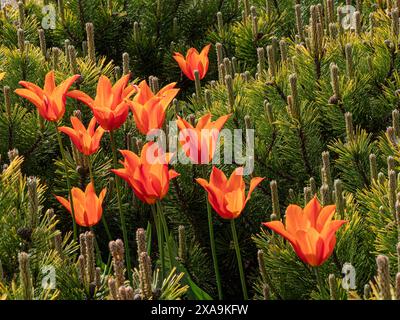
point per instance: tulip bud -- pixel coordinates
(373, 167)
(25, 276)
(90, 41)
(125, 63)
(275, 199)
(384, 277)
(182, 243)
(145, 276)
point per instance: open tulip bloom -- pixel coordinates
(311, 231)
(148, 175)
(87, 141)
(49, 101)
(199, 143)
(227, 196)
(87, 205)
(149, 109)
(109, 107)
(194, 61)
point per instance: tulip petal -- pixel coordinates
(253, 184)
(81, 96)
(312, 210)
(279, 228)
(325, 216)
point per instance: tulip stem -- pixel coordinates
(239, 259)
(121, 212)
(214, 251)
(318, 277)
(103, 219)
(157, 222)
(166, 233)
(64, 159)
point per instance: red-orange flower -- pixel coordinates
(87, 206)
(199, 143)
(50, 101)
(148, 108)
(227, 197)
(148, 175)
(87, 141)
(109, 107)
(311, 231)
(194, 61)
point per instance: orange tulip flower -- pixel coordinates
(311, 231)
(148, 108)
(194, 61)
(148, 175)
(109, 107)
(200, 143)
(227, 197)
(50, 101)
(87, 206)
(86, 141)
